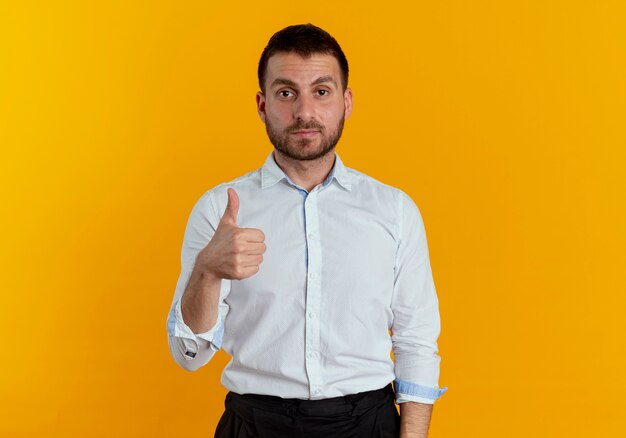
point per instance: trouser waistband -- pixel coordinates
(354, 404)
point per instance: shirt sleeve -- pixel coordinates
(415, 308)
(194, 350)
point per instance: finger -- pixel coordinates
(251, 260)
(247, 248)
(250, 271)
(244, 272)
(254, 248)
(252, 235)
(232, 208)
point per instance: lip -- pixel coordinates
(306, 133)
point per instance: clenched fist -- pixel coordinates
(233, 253)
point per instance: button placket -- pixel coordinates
(313, 296)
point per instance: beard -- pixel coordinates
(299, 148)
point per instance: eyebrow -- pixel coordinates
(290, 83)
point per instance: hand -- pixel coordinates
(233, 253)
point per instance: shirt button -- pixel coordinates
(312, 275)
(316, 392)
(311, 314)
(311, 235)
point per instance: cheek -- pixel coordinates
(334, 115)
(278, 114)
(339, 108)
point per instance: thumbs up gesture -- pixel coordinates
(233, 253)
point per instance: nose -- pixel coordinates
(304, 108)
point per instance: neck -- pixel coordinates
(306, 173)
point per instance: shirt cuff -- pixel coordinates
(176, 327)
(412, 392)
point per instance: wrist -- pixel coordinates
(203, 273)
(207, 275)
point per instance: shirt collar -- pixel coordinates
(271, 173)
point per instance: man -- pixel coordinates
(299, 269)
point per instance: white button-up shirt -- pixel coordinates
(345, 280)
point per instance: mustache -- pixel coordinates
(299, 125)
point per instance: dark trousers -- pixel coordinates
(370, 414)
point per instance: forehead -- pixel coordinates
(299, 69)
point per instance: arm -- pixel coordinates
(197, 315)
(198, 312)
(415, 419)
(199, 304)
(416, 324)
(193, 343)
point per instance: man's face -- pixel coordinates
(303, 106)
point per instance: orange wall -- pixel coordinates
(505, 121)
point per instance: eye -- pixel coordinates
(285, 93)
(322, 92)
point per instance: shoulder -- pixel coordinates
(214, 199)
(246, 181)
(364, 182)
(389, 200)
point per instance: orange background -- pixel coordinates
(505, 121)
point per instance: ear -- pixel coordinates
(260, 105)
(347, 102)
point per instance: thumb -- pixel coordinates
(232, 208)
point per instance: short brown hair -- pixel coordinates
(305, 40)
